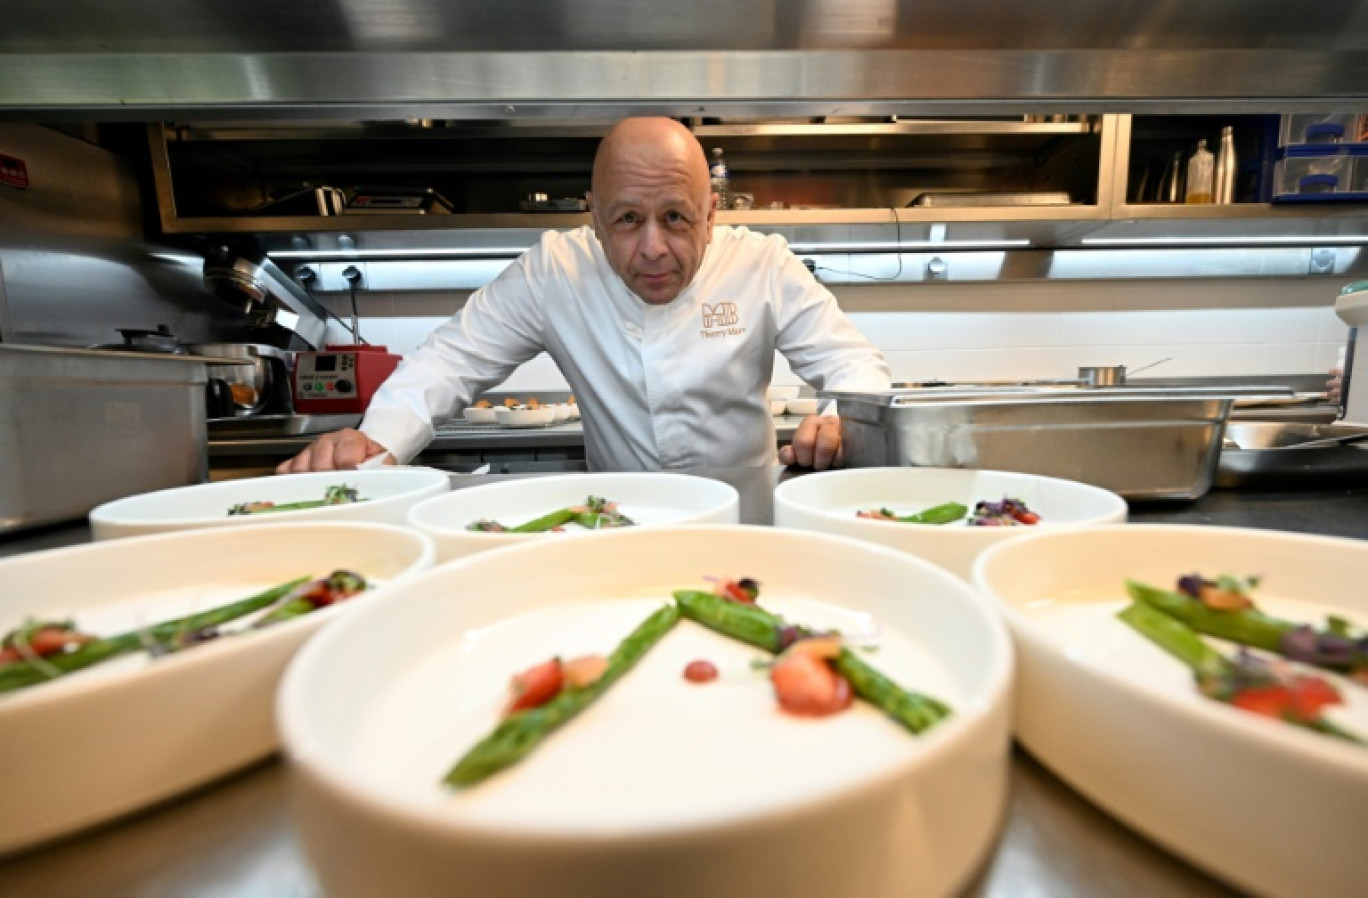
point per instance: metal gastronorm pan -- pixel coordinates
(1140, 443)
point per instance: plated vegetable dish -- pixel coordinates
(40, 651)
(597, 513)
(1008, 512)
(340, 494)
(811, 673)
(1259, 677)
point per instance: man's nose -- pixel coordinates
(653, 244)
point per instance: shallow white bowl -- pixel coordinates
(389, 493)
(1262, 804)
(133, 731)
(801, 406)
(479, 415)
(650, 499)
(524, 417)
(661, 788)
(828, 501)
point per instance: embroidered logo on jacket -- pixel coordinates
(720, 315)
(720, 320)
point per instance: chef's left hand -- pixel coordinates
(816, 444)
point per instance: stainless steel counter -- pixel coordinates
(234, 837)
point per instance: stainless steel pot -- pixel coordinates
(1102, 375)
(252, 381)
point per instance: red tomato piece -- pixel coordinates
(806, 685)
(700, 671)
(1310, 695)
(584, 670)
(43, 642)
(1270, 701)
(535, 686)
(1026, 517)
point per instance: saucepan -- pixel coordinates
(1109, 375)
(249, 383)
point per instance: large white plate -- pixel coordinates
(650, 499)
(662, 788)
(828, 501)
(389, 493)
(132, 731)
(1269, 807)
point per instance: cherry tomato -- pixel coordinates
(43, 642)
(535, 686)
(737, 592)
(700, 671)
(806, 685)
(1026, 517)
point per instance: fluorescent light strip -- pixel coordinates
(344, 254)
(1225, 241)
(903, 247)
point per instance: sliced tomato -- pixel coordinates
(737, 591)
(806, 685)
(1220, 599)
(1026, 517)
(43, 642)
(535, 686)
(1270, 701)
(584, 670)
(1311, 694)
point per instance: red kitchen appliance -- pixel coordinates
(340, 379)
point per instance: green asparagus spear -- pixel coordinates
(936, 514)
(756, 626)
(1247, 626)
(1174, 637)
(340, 494)
(20, 674)
(340, 584)
(557, 518)
(522, 731)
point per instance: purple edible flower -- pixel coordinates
(1191, 585)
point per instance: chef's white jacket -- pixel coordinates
(658, 386)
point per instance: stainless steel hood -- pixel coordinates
(500, 59)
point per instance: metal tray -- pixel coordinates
(1142, 444)
(1264, 454)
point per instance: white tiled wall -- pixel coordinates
(1006, 331)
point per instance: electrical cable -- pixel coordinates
(897, 224)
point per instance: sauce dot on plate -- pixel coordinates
(700, 671)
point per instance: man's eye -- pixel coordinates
(675, 217)
(627, 218)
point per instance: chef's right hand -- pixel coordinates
(341, 450)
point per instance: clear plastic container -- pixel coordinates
(1342, 176)
(1321, 128)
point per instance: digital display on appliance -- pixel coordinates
(325, 363)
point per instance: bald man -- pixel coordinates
(664, 325)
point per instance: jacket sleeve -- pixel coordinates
(819, 341)
(477, 348)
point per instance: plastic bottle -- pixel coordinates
(1224, 185)
(721, 179)
(1199, 174)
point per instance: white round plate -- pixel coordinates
(524, 417)
(650, 499)
(132, 731)
(389, 493)
(1269, 807)
(662, 787)
(828, 501)
(481, 415)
